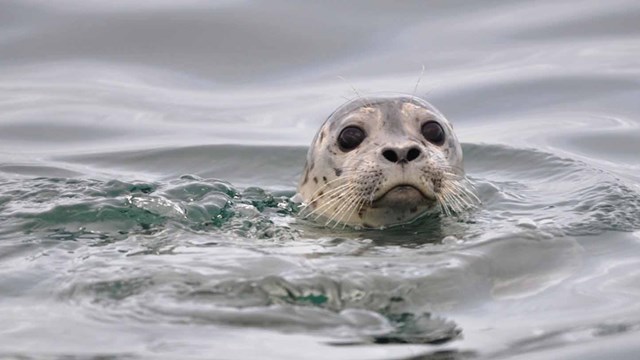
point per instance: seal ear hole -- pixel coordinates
(350, 137)
(433, 132)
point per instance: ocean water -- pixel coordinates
(149, 150)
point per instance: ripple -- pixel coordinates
(556, 193)
(106, 105)
(205, 251)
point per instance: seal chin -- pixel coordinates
(403, 197)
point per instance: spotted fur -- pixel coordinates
(356, 184)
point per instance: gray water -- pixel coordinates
(148, 151)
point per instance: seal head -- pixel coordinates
(381, 161)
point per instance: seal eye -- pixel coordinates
(350, 137)
(433, 132)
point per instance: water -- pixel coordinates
(148, 151)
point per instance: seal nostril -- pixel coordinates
(390, 155)
(413, 154)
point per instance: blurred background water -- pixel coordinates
(148, 151)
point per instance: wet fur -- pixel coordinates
(342, 187)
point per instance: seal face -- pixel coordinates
(381, 161)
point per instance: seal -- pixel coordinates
(381, 161)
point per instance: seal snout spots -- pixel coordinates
(393, 159)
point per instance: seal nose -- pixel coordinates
(401, 155)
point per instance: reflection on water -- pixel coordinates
(149, 150)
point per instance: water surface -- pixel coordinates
(149, 150)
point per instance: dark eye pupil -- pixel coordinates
(433, 132)
(350, 138)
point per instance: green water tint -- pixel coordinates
(408, 327)
(75, 209)
(201, 249)
(392, 312)
(115, 291)
(418, 329)
(312, 299)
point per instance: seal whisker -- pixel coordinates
(336, 195)
(332, 182)
(329, 197)
(354, 209)
(327, 205)
(330, 193)
(328, 183)
(464, 188)
(346, 209)
(456, 205)
(461, 202)
(443, 207)
(356, 206)
(349, 206)
(384, 165)
(462, 184)
(415, 88)
(456, 199)
(449, 202)
(360, 98)
(457, 169)
(459, 196)
(342, 210)
(318, 211)
(469, 201)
